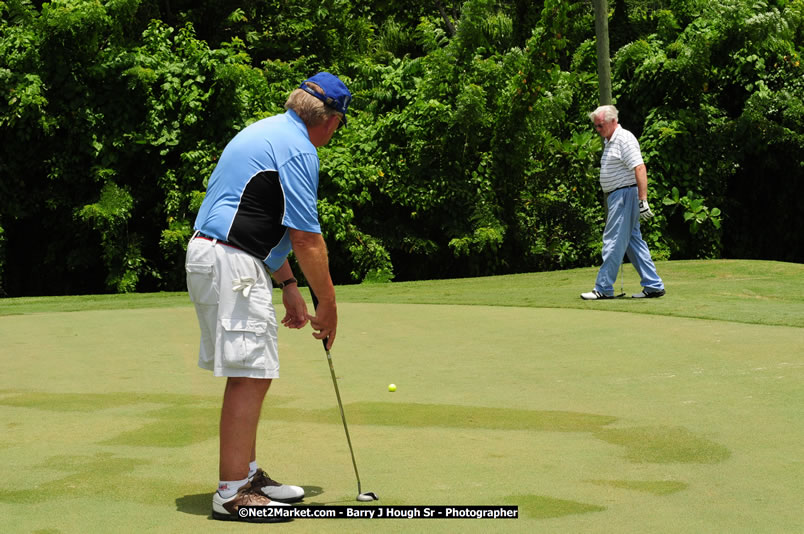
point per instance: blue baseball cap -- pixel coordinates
(336, 95)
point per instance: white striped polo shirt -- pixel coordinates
(621, 155)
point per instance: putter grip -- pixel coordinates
(315, 306)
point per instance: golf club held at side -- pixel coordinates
(369, 495)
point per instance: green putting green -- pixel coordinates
(618, 416)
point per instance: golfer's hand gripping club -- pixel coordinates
(324, 323)
(315, 307)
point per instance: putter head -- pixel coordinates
(368, 496)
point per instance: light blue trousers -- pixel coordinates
(621, 237)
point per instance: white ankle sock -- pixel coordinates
(227, 488)
(252, 468)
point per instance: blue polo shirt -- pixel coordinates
(266, 182)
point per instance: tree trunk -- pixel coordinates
(603, 60)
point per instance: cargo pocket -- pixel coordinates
(245, 343)
(201, 283)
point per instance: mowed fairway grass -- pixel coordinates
(676, 415)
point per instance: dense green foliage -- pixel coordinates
(468, 151)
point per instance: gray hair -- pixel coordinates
(610, 113)
(310, 109)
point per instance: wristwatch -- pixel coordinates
(287, 282)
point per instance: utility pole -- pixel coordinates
(603, 60)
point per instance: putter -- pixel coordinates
(369, 495)
(622, 280)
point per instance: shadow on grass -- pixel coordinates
(197, 504)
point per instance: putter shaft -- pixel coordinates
(343, 418)
(340, 403)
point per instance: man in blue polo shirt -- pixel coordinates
(624, 179)
(261, 203)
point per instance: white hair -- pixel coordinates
(310, 109)
(610, 113)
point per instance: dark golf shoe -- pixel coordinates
(648, 294)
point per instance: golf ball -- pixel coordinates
(391, 387)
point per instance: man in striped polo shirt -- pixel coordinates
(624, 180)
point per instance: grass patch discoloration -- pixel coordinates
(94, 402)
(654, 487)
(468, 417)
(183, 421)
(664, 445)
(104, 476)
(177, 426)
(543, 507)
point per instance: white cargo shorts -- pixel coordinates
(231, 291)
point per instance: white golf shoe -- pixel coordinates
(274, 490)
(595, 295)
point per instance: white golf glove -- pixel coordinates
(644, 210)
